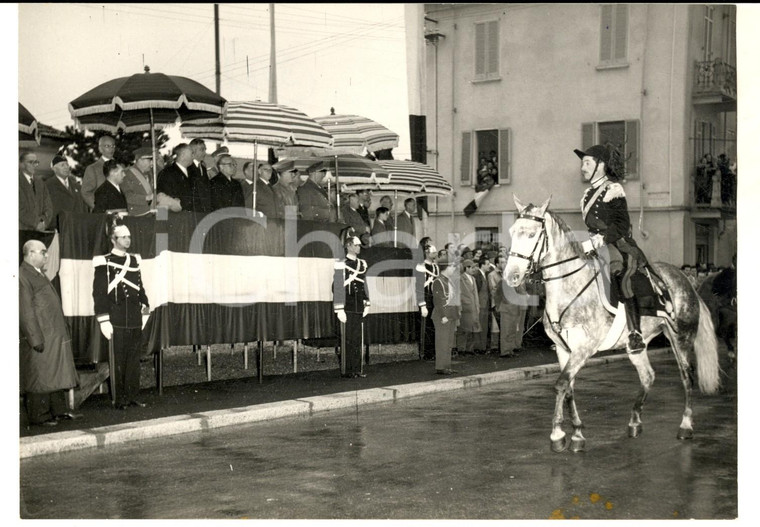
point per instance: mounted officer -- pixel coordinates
(605, 212)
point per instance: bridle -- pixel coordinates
(534, 266)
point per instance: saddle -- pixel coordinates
(652, 296)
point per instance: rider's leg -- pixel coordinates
(633, 318)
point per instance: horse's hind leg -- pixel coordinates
(646, 376)
(682, 349)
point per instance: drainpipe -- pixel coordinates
(644, 234)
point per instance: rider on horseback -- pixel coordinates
(605, 212)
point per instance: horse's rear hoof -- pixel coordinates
(685, 433)
(577, 445)
(561, 444)
(634, 430)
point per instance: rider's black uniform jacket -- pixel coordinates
(608, 214)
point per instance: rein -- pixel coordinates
(533, 263)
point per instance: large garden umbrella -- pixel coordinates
(408, 177)
(27, 125)
(354, 133)
(146, 101)
(263, 123)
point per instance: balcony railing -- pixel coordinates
(715, 78)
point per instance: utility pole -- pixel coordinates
(272, 58)
(216, 38)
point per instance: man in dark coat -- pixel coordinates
(35, 210)
(445, 316)
(93, 174)
(108, 196)
(174, 184)
(381, 235)
(265, 197)
(724, 289)
(407, 235)
(65, 193)
(426, 273)
(225, 191)
(351, 304)
(605, 212)
(199, 177)
(120, 300)
(313, 200)
(46, 361)
(352, 217)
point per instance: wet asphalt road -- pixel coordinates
(478, 453)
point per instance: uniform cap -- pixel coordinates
(58, 159)
(597, 151)
(144, 151)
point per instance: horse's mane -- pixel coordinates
(569, 235)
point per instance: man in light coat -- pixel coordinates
(93, 174)
(137, 185)
(46, 360)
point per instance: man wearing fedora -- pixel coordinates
(65, 193)
(137, 185)
(605, 212)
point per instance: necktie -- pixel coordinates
(34, 188)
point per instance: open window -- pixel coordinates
(623, 134)
(486, 157)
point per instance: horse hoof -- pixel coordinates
(561, 444)
(634, 430)
(577, 445)
(685, 433)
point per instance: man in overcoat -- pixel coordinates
(93, 174)
(65, 193)
(46, 360)
(445, 315)
(35, 210)
(137, 185)
(108, 196)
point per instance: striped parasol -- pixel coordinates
(261, 122)
(353, 133)
(351, 169)
(409, 177)
(27, 125)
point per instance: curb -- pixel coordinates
(101, 437)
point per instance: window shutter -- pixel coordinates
(493, 48)
(480, 49)
(621, 31)
(632, 165)
(605, 43)
(587, 135)
(466, 179)
(698, 153)
(505, 157)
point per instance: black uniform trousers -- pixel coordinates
(126, 350)
(353, 342)
(429, 351)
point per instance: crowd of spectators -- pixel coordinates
(722, 169)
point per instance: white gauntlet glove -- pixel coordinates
(342, 316)
(366, 311)
(106, 329)
(424, 311)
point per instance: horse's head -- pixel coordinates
(528, 240)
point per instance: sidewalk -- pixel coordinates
(198, 407)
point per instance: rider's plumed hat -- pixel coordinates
(598, 151)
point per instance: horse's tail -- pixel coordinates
(706, 350)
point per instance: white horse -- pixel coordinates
(578, 323)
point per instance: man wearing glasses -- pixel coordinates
(93, 174)
(120, 301)
(35, 210)
(226, 191)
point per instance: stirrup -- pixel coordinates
(635, 343)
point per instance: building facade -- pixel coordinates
(520, 86)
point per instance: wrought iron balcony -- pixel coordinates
(715, 83)
(713, 192)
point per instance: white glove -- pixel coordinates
(444, 320)
(366, 311)
(106, 329)
(342, 316)
(424, 311)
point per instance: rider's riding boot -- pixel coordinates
(633, 320)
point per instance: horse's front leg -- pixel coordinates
(577, 441)
(571, 363)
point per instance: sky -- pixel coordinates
(347, 56)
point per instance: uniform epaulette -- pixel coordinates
(615, 190)
(138, 258)
(339, 265)
(420, 267)
(98, 261)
